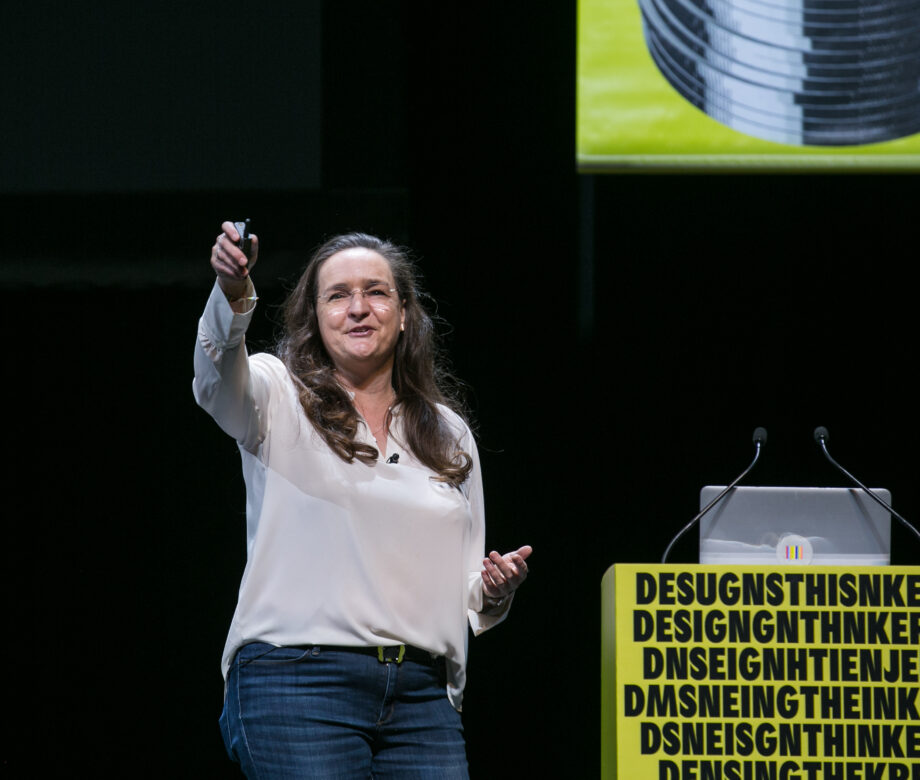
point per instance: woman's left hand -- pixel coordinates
(503, 574)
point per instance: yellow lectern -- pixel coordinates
(760, 673)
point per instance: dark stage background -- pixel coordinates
(621, 338)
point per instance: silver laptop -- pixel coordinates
(795, 525)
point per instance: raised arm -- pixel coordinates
(223, 384)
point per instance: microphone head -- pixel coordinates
(821, 434)
(760, 435)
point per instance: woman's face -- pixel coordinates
(360, 314)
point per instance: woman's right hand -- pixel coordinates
(230, 262)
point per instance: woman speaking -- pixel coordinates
(346, 655)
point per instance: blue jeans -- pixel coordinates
(293, 712)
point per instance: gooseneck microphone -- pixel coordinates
(760, 437)
(822, 436)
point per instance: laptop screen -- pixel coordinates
(795, 525)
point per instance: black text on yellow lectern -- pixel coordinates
(760, 673)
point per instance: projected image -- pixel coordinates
(768, 84)
(812, 73)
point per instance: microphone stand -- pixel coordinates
(760, 436)
(821, 436)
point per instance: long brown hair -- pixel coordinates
(420, 377)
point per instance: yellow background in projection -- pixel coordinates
(627, 665)
(629, 117)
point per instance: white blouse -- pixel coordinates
(340, 553)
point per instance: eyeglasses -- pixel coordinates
(377, 297)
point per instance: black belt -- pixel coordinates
(389, 654)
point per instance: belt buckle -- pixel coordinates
(391, 654)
